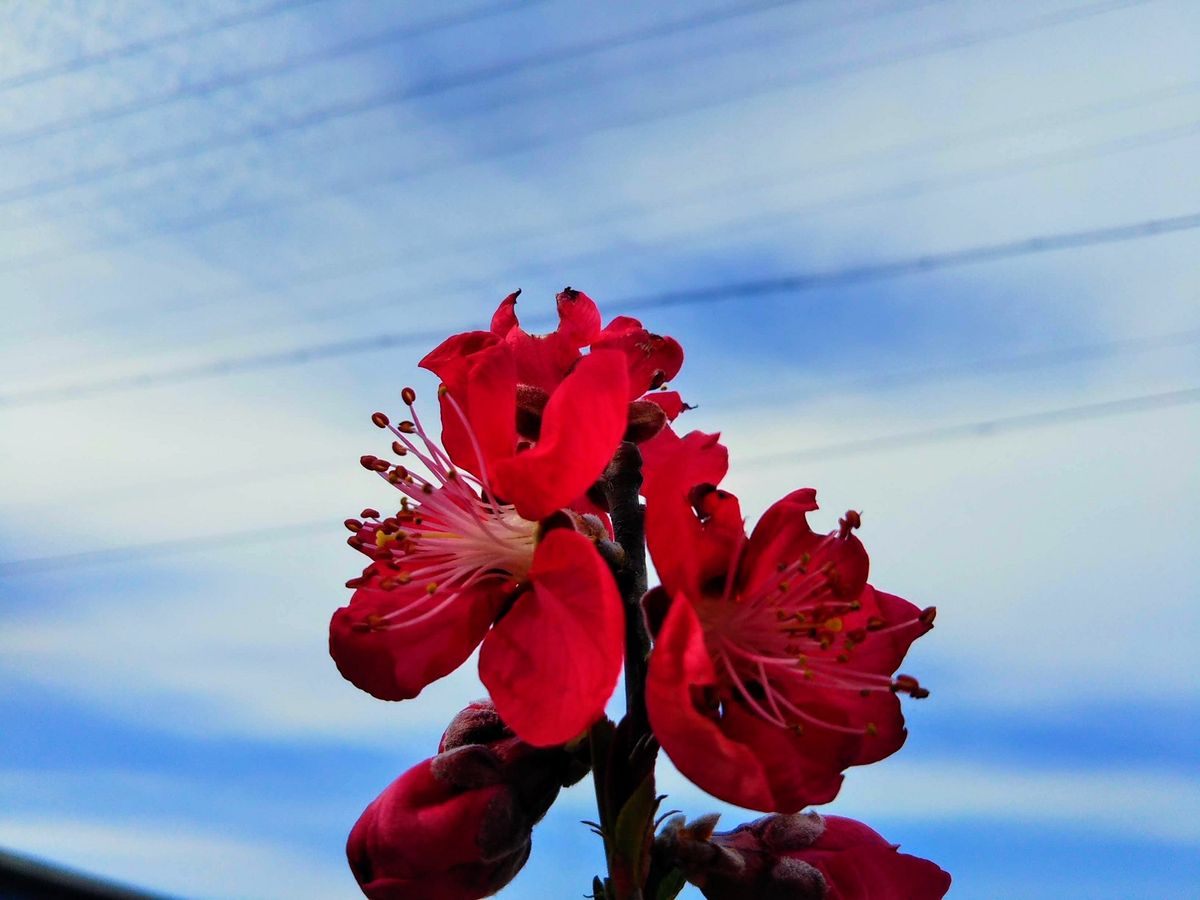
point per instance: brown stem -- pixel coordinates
(621, 486)
(622, 483)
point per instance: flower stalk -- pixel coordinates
(621, 486)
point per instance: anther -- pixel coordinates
(431, 588)
(399, 449)
(380, 420)
(407, 427)
(906, 684)
(369, 513)
(353, 525)
(368, 462)
(409, 396)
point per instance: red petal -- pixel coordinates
(652, 358)
(543, 360)
(504, 319)
(684, 554)
(781, 536)
(858, 862)
(882, 651)
(681, 672)
(670, 401)
(450, 360)
(488, 399)
(552, 661)
(578, 317)
(736, 756)
(581, 428)
(396, 664)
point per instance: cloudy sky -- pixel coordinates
(935, 258)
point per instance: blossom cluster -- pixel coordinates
(764, 665)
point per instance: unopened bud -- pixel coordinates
(802, 856)
(459, 825)
(646, 419)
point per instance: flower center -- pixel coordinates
(793, 634)
(450, 532)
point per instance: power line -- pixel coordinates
(985, 428)
(369, 262)
(101, 57)
(794, 283)
(354, 185)
(927, 263)
(915, 188)
(245, 76)
(421, 89)
(156, 549)
(778, 391)
(128, 165)
(1031, 360)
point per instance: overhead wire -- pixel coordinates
(738, 290)
(779, 392)
(241, 77)
(978, 429)
(986, 427)
(356, 184)
(356, 265)
(144, 45)
(773, 218)
(431, 87)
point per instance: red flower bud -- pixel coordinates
(802, 856)
(426, 837)
(458, 826)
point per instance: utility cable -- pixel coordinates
(432, 87)
(134, 48)
(356, 265)
(246, 76)
(980, 429)
(785, 82)
(739, 290)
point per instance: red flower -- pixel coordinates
(479, 551)
(457, 826)
(543, 361)
(799, 857)
(771, 672)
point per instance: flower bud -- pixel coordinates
(646, 419)
(803, 856)
(458, 826)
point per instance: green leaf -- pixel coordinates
(673, 882)
(634, 833)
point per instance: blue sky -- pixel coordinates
(336, 170)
